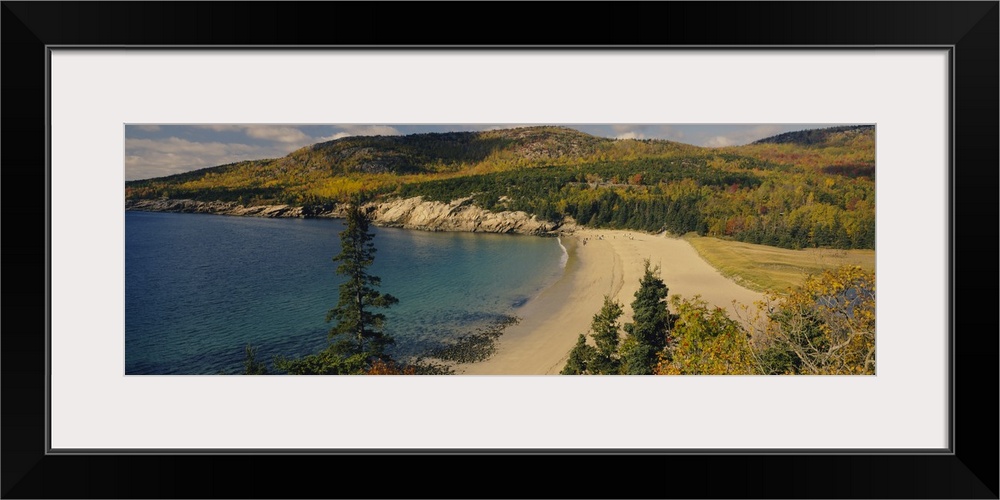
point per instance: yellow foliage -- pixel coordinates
(706, 341)
(828, 323)
(824, 327)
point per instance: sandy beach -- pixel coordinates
(609, 263)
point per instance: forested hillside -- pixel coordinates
(800, 189)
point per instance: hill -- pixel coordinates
(802, 189)
(332, 170)
(831, 136)
(847, 151)
(443, 152)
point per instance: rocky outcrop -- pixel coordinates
(459, 215)
(213, 207)
(410, 213)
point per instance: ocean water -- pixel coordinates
(198, 287)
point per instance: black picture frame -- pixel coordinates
(969, 470)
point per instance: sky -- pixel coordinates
(159, 150)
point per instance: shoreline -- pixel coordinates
(407, 213)
(610, 262)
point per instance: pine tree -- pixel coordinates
(360, 342)
(585, 359)
(580, 357)
(605, 328)
(250, 364)
(359, 328)
(650, 321)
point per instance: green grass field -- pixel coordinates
(761, 267)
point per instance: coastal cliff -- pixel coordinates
(410, 213)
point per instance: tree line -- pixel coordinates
(778, 208)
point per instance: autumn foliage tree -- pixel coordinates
(707, 342)
(827, 326)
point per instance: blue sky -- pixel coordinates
(159, 150)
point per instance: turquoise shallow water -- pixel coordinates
(200, 287)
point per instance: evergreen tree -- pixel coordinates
(250, 364)
(359, 328)
(586, 359)
(650, 323)
(605, 328)
(359, 342)
(579, 358)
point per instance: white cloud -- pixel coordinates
(647, 131)
(745, 136)
(354, 130)
(146, 158)
(277, 133)
(621, 128)
(290, 135)
(629, 131)
(719, 141)
(630, 135)
(178, 145)
(338, 135)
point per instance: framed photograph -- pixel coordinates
(107, 109)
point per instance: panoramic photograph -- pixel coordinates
(499, 249)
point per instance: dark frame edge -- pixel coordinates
(974, 117)
(24, 367)
(957, 459)
(48, 250)
(951, 251)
